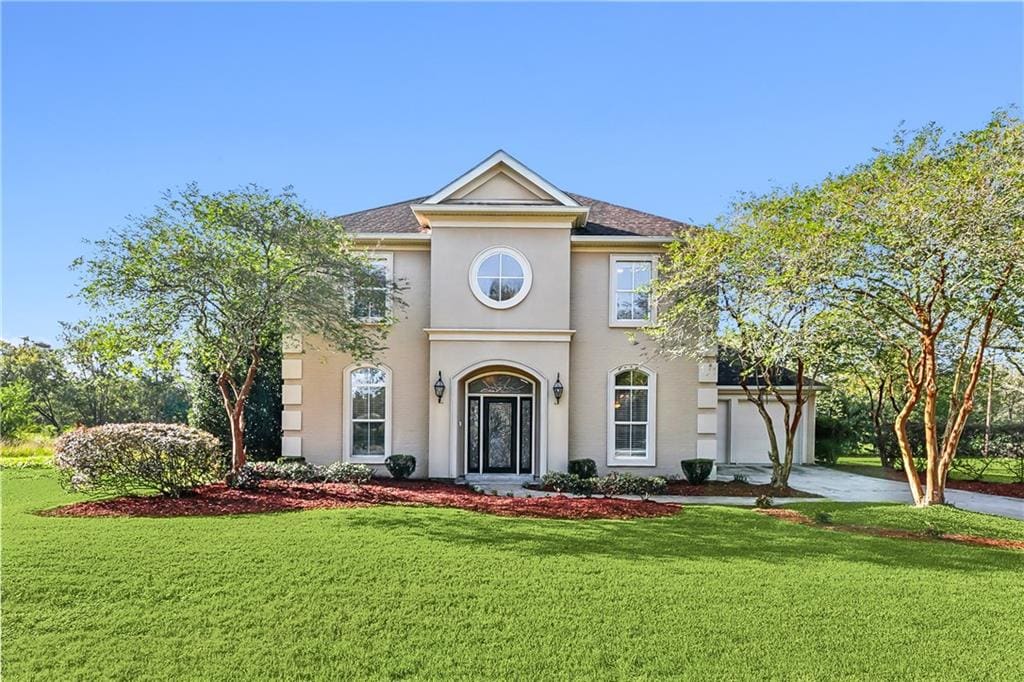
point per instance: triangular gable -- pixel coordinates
(501, 179)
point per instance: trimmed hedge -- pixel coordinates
(302, 472)
(584, 468)
(697, 470)
(613, 484)
(400, 466)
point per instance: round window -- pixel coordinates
(500, 277)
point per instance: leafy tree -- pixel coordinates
(226, 273)
(930, 244)
(16, 414)
(754, 288)
(41, 369)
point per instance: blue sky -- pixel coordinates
(670, 108)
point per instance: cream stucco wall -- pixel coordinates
(598, 348)
(452, 303)
(322, 429)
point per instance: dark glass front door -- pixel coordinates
(499, 434)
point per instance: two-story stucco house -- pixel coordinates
(520, 296)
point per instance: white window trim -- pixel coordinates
(346, 427)
(482, 296)
(388, 258)
(650, 459)
(613, 259)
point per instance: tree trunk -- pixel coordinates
(935, 489)
(988, 410)
(914, 382)
(234, 404)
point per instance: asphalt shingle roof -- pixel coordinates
(605, 219)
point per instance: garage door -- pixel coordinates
(749, 441)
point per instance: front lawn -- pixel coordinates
(387, 591)
(998, 472)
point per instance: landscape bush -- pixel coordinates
(613, 484)
(630, 484)
(245, 478)
(303, 472)
(584, 468)
(125, 458)
(697, 470)
(400, 466)
(561, 482)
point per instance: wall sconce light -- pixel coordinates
(439, 387)
(558, 388)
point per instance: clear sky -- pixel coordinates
(670, 108)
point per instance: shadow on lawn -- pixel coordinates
(715, 534)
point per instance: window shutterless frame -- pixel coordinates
(497, 276)
(616, 260)
(348, 428)
(648, 458)
(374, 316)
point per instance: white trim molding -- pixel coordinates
(650, 459)
(346, 425)
(548, 335)
(613, 260)
(514, 254)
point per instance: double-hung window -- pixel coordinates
(368, 413)
(372, 298)
(630, 304)
(631, 392)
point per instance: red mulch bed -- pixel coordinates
(793, 516)
(732, 489)
(1006, 489)
(276, 496)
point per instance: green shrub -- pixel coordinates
(291, 459)
(245, 478)
(630, 484)
(824, 518)
(345, 472)
(584, 468)
(124, 458)
(400, 466)
(560, 482)
(697, 470)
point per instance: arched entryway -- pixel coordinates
(500, 418)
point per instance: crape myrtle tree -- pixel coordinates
(228, 272)
(930, 247)
(752, 288)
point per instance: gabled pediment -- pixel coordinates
(501, 179)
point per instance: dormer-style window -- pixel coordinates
(500, 277)
(629, 287)
(372, 301)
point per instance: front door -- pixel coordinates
(499, 434)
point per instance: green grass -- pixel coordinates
(998, 472)
(906, 517)
(29, 452)
(385, 592)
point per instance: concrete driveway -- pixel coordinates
(846, 487)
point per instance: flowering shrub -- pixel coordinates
(613, 484)
(401, 466)
(301, 472)
(584, 468)
(346, 472)
(245, 478)
(630, 484)
(125, 458)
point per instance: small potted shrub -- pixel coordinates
(697, 470)
(400, 466)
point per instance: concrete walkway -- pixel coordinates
(836, 485)
(846, 487)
